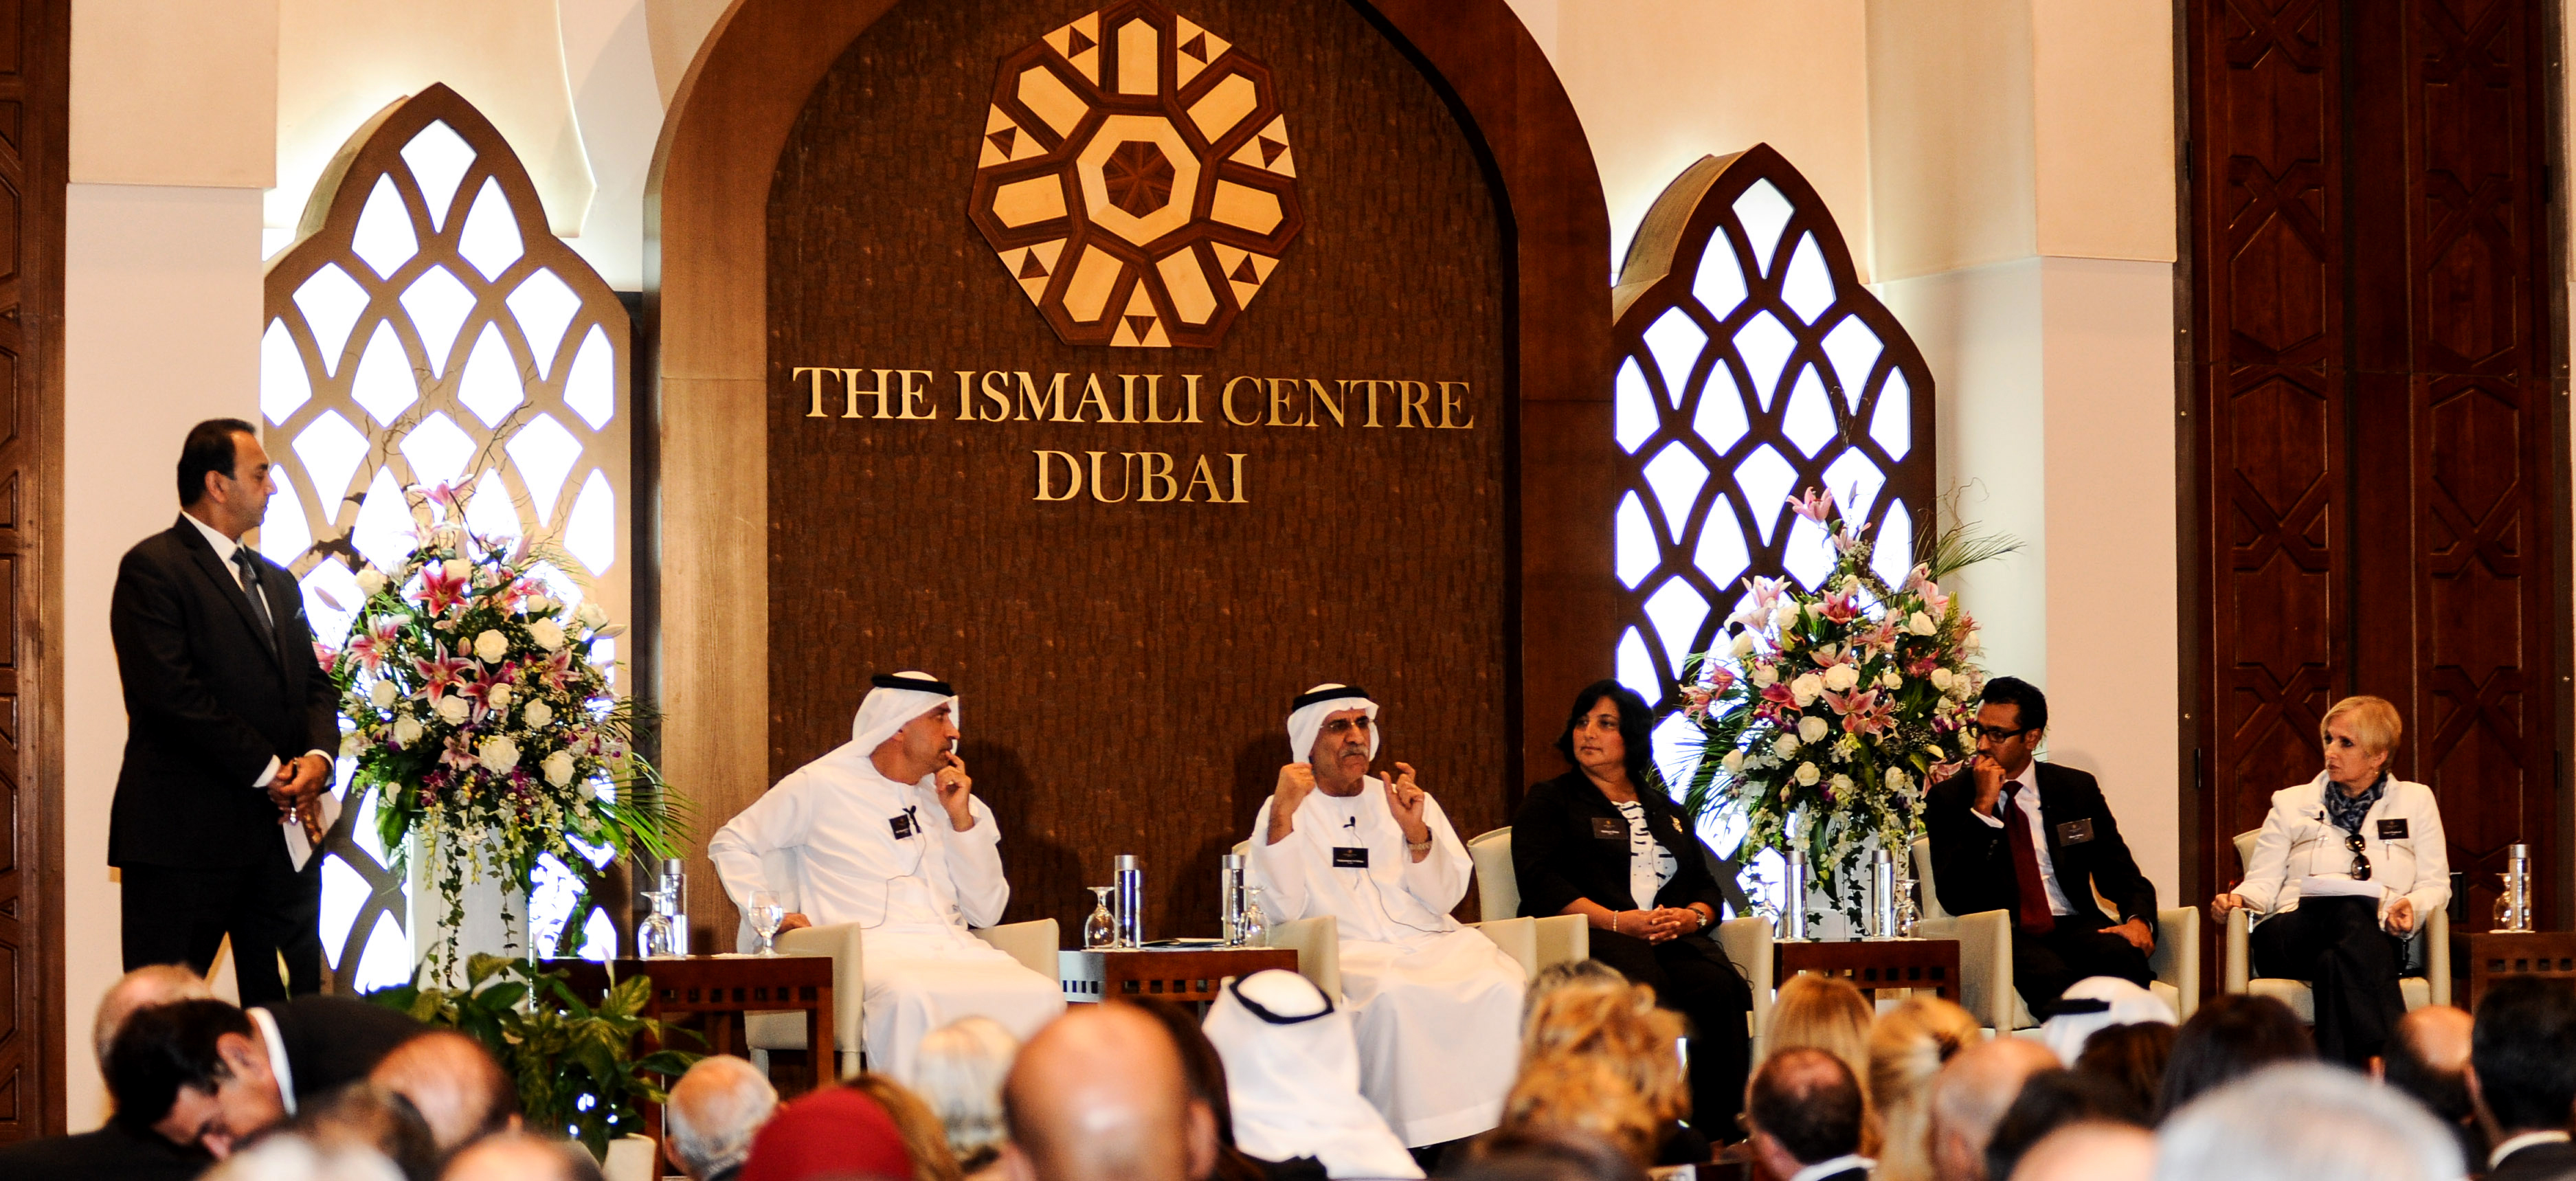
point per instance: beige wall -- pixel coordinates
(180, 92)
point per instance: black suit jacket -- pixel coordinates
(2540, 1162)
(1972, 861)
(209, 699)
(333, 1040)
(115, 1151)
(1558, 859)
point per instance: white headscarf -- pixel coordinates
(2122, 1003)
(1307, 714)
(890, 707)
(1292, 1070)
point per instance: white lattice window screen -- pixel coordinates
(427, 329)
(1755, 366)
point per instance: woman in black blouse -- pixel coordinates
(1604, 841)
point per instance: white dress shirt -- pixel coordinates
(2523, 1141)
(276, 1045)
(1827, 1168)
(2028, 801)
(224, 547)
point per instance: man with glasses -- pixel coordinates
(2037, 840)
(1436, 1006)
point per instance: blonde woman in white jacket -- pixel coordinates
(2346, 867)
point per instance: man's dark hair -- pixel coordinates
(2017, 692)
(1204, 1070)
(164, 1048)
(2049, 1100)
(2129, 1060)
(1541, 1154)
(209, 448)
(2231, 1036)
(382, 1121)
(1636, 729)
(2445, 1093)
(1807, 1100)
(2523, 1046)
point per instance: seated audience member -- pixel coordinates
(1545, 1156)
(455, 1084)
(2304, 1121)
(2428, 1057)
(1907, 1049)
(2354, 827)
(1565, 973)
(2034, 840)
(2129, 1060)
(1205, 1069)
(203, 1072)
(712, 1114)
(119, 1149)
(2091, 1151)
(2231, 1036)
(1804, 1110)
(958, 1070)
(1827, 1013)
(287, 1157)
(521, 1156)
(1575, 1093)
(2098, 1003)
(1100, 1094)
(2522, 1076)
(2049, 1100)
(825, 1135)
(895, 841)
(1605, 841)
(1433, 1004)
(1292, 1070)
(1620, 1027)
(1970, 1097)
(923, 1139)
(370, 1117)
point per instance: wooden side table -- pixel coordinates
(1190, 975)
(2492, 955)
(1873, 964)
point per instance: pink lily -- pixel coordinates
(325, 655)
(375, 645)
(555, 670)
(439, 674)
(1815, 506)
(439, 592)
(1839, 608)
(443, 495)
(479, 691)
(1721, 679)
(1777, 693)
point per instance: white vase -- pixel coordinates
(480, 928)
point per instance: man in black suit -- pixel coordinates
(229, 725)
(204, 1073)
(2036, 840)
(116, 1150)
(1804, 1109)
(2522, 1076)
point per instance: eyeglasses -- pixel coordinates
(1341, 726)
(2360, 863)
(1998, 733)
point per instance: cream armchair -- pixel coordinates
(2236, 965)
(1033, 944)
(1985, 954)
(1532, 943)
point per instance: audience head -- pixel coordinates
(2428, 1058)
(294, 1158)
(1804, 1108)
(2231, 1036)
(958, 1070)
(1619, 1026)
(1205, 1069)
(832, 1133)
(2522, 1055)
(1971, 1096)
(923, 1139)
(1545, 1155)
(1907, 1049)
(2096, 1003)
(2299, 1120)
(1583, 1094)
(142, 988)
(1101, 1094)
(1823, 1012)
(2129, 1061)
(1293, 1071)
(371, 1118)
(2091, 1151)
(520, 1156)
(194, 1072)
(713, 1111)
(455, 1084)
(2049, 1100)
(1563, 974)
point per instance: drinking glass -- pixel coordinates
(1255, 927)
(1101, 929)
(766, 914)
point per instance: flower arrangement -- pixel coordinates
(1833, 710)
(477, 713)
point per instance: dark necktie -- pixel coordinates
(250, 586)
(2035, 916)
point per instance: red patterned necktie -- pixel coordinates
(2035, 916)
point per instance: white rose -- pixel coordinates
(1764, 676)
(1733, 762)
(406, 731)
(537, 715)
(537, 605)
(558, 768)
(381, 693)
(1967, 743)
(1971, 641)
(491, 646)
(1896, 779)
(587, 791)
(1891, 679)
(1743, 644)
(1811, 729)
(1842, 784)
(1808, 775)
(1805, 688)
(1785, 746)
(1920, 624)
(456, 568)
(547, 633)
(370, 581)
(453, 710)
(499, 698)
(1941, 679)
(353, 744)
(1785, 618)
(498, 754)
(590, 615)
(1841, 677)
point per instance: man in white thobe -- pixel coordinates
(894, 840)
(1436, 1006)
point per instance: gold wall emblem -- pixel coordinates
(1135, 178)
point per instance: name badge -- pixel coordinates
(2075, 832)
(2392, 830)
(903, 825)
(1609, 828)
(1350, 858)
